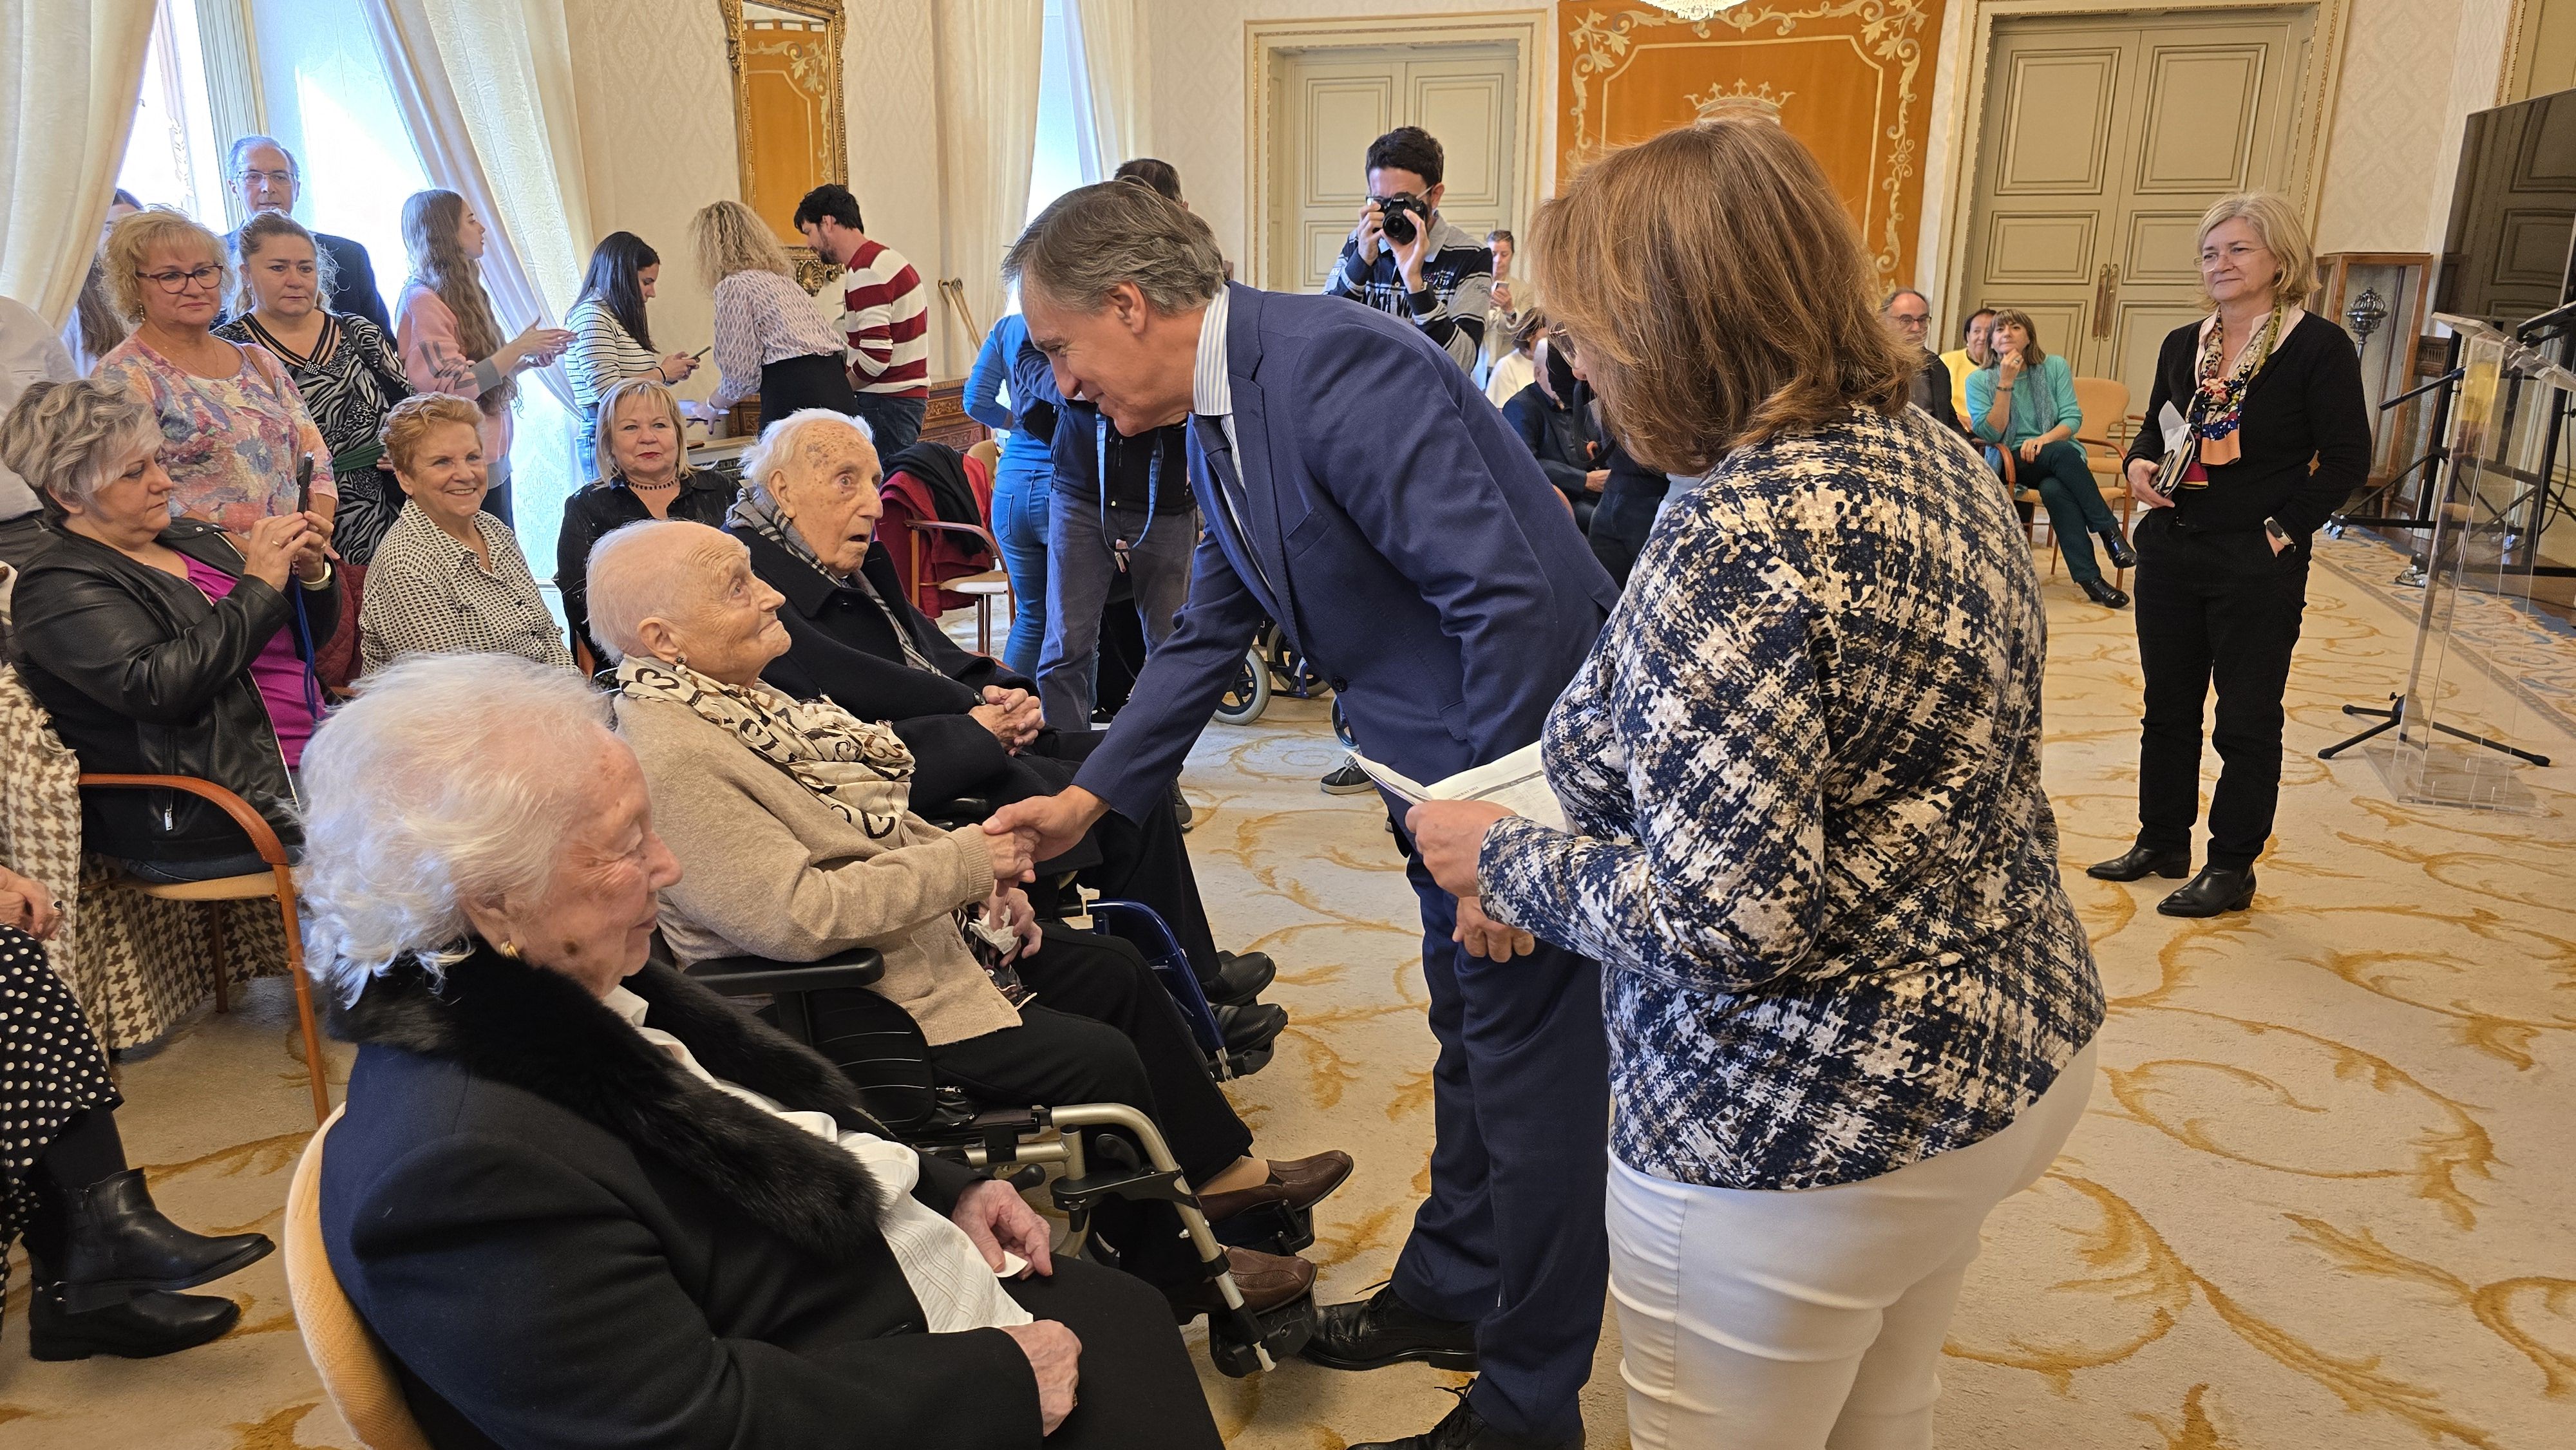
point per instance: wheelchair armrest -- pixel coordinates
(965, 810)
(764, 976)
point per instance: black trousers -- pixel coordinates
(2213, 609)
(1101, 1030)
(1621, 522)
(1142, 861)
(792, 384)
(1138, 1390)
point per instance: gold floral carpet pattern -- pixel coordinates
(2323, 1196)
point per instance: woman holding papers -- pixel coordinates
(1849, 1005)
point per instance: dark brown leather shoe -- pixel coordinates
(1266, 1281)
(1298, 1183)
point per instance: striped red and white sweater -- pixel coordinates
(888, 322)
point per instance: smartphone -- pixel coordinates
(702, 352)
(304, 484)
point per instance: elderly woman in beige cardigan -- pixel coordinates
(795, 841)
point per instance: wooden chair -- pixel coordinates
(986, 586)
(356, 1372)
(277, 882)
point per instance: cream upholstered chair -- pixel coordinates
(2105, 436)
(356, 1372)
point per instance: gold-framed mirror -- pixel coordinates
(789, 132)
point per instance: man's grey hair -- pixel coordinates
(65, 439)
(637, 572)
(1092, 238)
(449, 779)
(1890, 300)
(244, 145)
(762, 460)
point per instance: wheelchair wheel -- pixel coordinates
(1249, 695)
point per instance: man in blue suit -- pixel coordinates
(1359, 490)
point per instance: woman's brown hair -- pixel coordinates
(429, 223)
(2031, 356)
(1718, 293)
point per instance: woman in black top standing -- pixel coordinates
(2274, 435)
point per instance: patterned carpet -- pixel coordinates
(2321, 1198)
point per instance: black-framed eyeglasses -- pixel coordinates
(177, 282)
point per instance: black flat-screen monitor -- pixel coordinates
(2513, 213)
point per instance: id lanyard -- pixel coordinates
(1119, 548)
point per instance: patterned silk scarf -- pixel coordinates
(863, 772)
(2218, 404)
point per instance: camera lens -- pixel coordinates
(1397, 226)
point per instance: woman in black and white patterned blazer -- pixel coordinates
(1809, 845)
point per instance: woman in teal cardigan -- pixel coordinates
(2024, 400)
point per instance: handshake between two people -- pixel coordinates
(1448, 833)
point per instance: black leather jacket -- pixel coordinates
(143, 675)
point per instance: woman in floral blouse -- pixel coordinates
(1849, 1006)
(233, 428)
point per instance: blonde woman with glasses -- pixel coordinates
(234, 431)
(770, 337)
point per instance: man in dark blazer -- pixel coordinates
(267, 177)
(1357, 489)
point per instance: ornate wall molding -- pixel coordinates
(1851, 78)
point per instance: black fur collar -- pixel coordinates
(537, 1030)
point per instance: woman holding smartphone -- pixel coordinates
(612, 340)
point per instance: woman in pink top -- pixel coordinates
(233, 428)
(444, 328)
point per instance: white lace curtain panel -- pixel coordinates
(485, 88)
(991, 54)
(1107, 39)
(70, 71)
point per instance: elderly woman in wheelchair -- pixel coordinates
(580, 1198)
(795, 840)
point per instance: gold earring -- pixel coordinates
(509, 949)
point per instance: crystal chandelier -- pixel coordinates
(1695, 10)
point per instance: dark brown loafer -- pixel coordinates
(1300, 1183)
(1266, 1281)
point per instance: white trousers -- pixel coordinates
(1767, 1320)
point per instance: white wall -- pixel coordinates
(2412, 72)
(1195, 51)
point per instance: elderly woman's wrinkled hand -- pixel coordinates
(1055, 1358)
(1450, 835)
(27, 905)
(996, 1219)
(1013, 855)
(1008, 908)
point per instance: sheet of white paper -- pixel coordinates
(2171, 422)
(1517, 782)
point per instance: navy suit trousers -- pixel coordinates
(1512, 1238)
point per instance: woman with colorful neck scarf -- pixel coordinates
(2256, 432)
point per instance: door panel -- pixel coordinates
(1332, 102)
(2102, 140)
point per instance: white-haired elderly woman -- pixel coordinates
(582, 1199)
(162, 645)
(808, 513)
(790, 819)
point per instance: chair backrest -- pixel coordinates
(356, 1372)
(989, 454)
(2105, 402)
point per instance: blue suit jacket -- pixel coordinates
(1401, 534)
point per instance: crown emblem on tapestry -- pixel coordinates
(1743, 96)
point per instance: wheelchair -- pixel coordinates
(889, 1060)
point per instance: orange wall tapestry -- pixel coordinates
(1851, 78)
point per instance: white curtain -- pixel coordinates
(485, 88)
(1107, 45)
(991, 53)
(70, 72)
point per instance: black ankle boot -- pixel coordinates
(2216, 889)
(2101, 592)
(2142, 860)
(2122, 556)
(139, 1328)
(1382, 1329)
(117, 1245)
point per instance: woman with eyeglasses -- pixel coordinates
(234, 431)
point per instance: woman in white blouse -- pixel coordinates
(770, 337)
(611, 338)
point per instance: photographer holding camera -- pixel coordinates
(1403, 259)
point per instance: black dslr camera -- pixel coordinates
(1393, 220)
